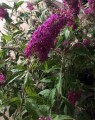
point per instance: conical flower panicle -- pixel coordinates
(43, 38)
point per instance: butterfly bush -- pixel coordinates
(3, 12)
(43, 38)
(2, 78)
(69, 68)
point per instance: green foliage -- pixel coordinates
(33, 89)
(18, 4)
(62, 117)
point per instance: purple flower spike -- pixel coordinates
(3, 12)
(73, 5)
(43, 38)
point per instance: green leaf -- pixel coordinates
(18, 4)
(32, 109)
(46, 80)
(16, 70)
(62, 117)
(45, 92)
(52, 96)
(6, 6)
(39, 99)
(15, 99)
(12, 101)
(59, 84)
(60, 40)
(18, 23)
(15, 78)
(7, 37)
(69, 108)
(67, 34)
(27, 76)
(17, 32)
(47, 69)
(49, 95)
(43, 17)
(37, 1)
(44, 109)
(29, 91)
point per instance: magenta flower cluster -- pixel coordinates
(3, 12)
(73, 6)
(43, 118)
(2, 78)
(91, 9)
(43, 38)
(69, 17)
(73, 96)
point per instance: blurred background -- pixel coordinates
(23, 7)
